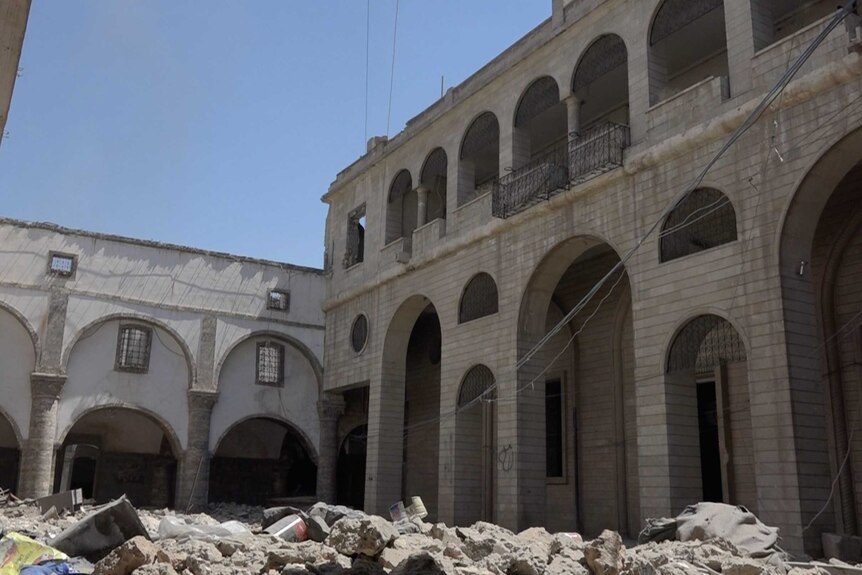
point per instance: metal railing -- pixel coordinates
(596, 151)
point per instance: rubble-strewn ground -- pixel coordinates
(362, 544)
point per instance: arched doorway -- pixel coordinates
(9, 455)
(707, 380)
(601, 83)
(262, 460)
(404, 411)
(475, 452)
(576, 396)
(820, 266)
(112, 451)
(350, 470)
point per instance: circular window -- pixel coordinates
(359, 333)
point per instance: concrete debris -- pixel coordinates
(101, 531)
(233, 539)
(63, 501)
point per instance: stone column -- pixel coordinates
(422, 215)
(573, 109)
(330, 409)
(37, 455)
(195, 468)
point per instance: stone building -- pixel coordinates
(720, 363)
(171, 374)
(13, 23)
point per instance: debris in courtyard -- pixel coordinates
(238, 539)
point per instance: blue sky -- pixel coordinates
(217, 123)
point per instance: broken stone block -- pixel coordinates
(604, 554)
(63, 501)
(367, 535)
(363, 565)
(564, 565)
(98, 533)
(420, 564)
(317, 529)
(155, 569)
(305, 553)
(132, 554)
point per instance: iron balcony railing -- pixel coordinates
(596, 151)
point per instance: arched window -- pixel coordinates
(433, 178)
(704, 219)
(541, 122)
(401, 208)
(479, 165)
(479, 382)
(776, 19)
(703, 344)
(601, 83)
(687, 44)
(479, 299)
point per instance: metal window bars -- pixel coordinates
(586, 156)
(270, 363)
(133, 348)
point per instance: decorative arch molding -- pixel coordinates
(298, 432)
(173, 438)
(98, 323)
(25, 323)
(288, 339)
(693, 315)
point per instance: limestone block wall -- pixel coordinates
(13, 23)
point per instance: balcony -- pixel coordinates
(596, 151)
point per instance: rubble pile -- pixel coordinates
(326, 539)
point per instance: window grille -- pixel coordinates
(278, 300)
(62, 265)
(479, 299)
(482, 133)
(677, 14)
(604, 55)
(270, 363)
(133, 348)
(703, 220)
(359, 333)
(704, 343)
(433, 177)
(542, 95)
(479, 382)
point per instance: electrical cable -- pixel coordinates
(392, 71)
(367, 60)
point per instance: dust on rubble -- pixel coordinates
(350, 541)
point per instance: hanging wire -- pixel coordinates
(392, 71)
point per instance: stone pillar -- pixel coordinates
(573, 109)
(422, 215)
(37, 455)
(330, 409)
(195, 467)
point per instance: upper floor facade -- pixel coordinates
(602, 87)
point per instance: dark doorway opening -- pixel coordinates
(84, 476)
(710, 458)
(350, 471)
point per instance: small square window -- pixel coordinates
(278, 300)
(270, 363)
(62, 265)
(133, 348)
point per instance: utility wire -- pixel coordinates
(367, 59)
(392, 71)
(750, 120)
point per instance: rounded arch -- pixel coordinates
(434, 177)
(478, 381)
(479, 298)
(482, 131)
(34, 336)
(435, 163)
(540, 95)
(401, 184)
(401, 323)
(284, 338)
(292, 428)
(704, 219)
(167, 429)
(604, 53)
(547, 273)
(794, 235)
(153, 322)
(703, 340)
